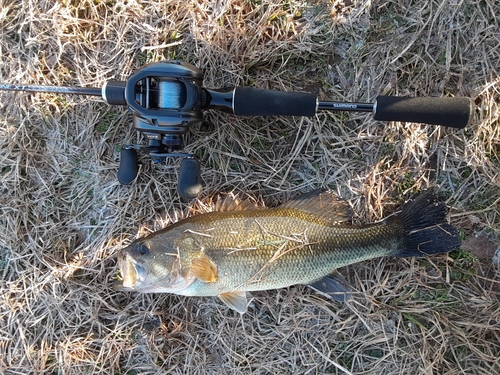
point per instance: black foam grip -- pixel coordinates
(250, 101)
(127, 172)
(189, 185)
(452, 112)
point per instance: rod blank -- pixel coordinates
(53, 89)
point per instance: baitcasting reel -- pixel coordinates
(166, 98)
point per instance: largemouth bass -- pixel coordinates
(231, 253)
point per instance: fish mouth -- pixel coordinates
(132, 272)
(135, 277)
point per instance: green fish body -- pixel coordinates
(230, 253)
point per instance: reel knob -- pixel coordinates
(127, 172)
(189, 185)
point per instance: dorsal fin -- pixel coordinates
(322, 203)
(233, 202)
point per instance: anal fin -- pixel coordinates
(333, 286)
(236, 300)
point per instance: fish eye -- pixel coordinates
(140, 248)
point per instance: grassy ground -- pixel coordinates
(63, 215)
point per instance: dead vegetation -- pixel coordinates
(63, 215)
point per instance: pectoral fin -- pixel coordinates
(236, 300)
(204, 269)
(333, 286)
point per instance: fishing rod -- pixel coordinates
(166, 98)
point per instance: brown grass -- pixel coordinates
(63, 215)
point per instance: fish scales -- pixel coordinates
(230, 253)
(258, 250)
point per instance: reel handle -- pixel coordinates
(189, 185)
(128, 169)
(445, 111)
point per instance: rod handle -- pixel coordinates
(453, 112)
(251, 101)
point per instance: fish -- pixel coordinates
(231, 253)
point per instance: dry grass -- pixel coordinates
(64, 215)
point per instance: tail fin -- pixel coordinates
(427, 232)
